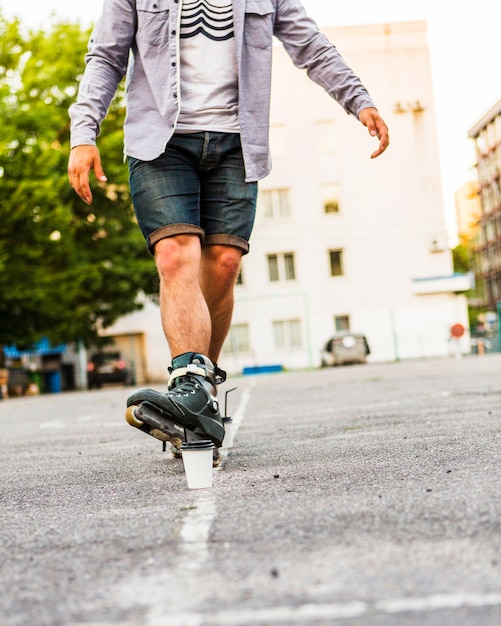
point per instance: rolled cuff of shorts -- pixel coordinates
(227, 240)
(172, 230)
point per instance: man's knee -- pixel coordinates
(223, 260)
(177, 254)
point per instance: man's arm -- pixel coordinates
(106, 65)
(310, 49)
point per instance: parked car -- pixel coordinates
(344, 349)
(108, 367)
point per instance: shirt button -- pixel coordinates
(173, 33)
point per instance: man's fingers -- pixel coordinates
(377, 128)
(83, 187)
(381, 132)
(80, 183)
(98, 169)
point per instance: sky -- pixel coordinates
(464, 43)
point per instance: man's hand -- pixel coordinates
(376, 127)
(82, 160)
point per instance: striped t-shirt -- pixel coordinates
(209, 83)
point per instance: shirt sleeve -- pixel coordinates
(310, 50)
(106, 64)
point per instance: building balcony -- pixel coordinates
(454, 283)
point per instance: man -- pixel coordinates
(196, 139)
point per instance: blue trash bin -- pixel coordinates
(53, 382)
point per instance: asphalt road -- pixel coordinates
(357, 496)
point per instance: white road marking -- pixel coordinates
(239, 414)
(90, 422)
(438, 601)
(196, 527)
(237, 418)
(194, 546)
(195, 533)
(71, 420)
(329, 612)
(183, 619)
(52, 424)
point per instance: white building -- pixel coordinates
(342, 241)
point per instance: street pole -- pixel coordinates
(498, 305)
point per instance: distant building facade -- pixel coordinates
(486, 135)
(468, 211)
(341, 242)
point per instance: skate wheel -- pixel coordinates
(216, 459)
(177, 442)
(176, 452)
(130, 416)
(159, 434)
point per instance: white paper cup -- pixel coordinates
(228, 433)
(197, 459)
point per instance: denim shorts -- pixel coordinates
(196, 187)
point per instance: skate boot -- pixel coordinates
(189, 411)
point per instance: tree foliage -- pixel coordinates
(66, 269)
(462, 257)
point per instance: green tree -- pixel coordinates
(462, 257)
(66, 269)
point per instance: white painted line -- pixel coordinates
(74, 419)
(52, 424)
(439, 601)
(180, 619)
(242, 405)
(329, 612)
(276, 615)
(193, 553)
(195, 532)
(237, 418)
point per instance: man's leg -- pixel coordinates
(185, 315)
(227, 211)
(166, 195)
(218, 274)
(190, 402)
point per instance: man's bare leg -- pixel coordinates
(185, 315)
(196, 296)
(218, 273)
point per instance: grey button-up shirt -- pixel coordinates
(140, 38)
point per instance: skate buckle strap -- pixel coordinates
(190, 369)
(219, 374)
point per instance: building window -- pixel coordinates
(273, 268)
(342, 323)
(289, 268)
(274, 203)
(336, 262)
(237, 341)
(330, 198)
(331, 206)
(281, 267)
(287, 334)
